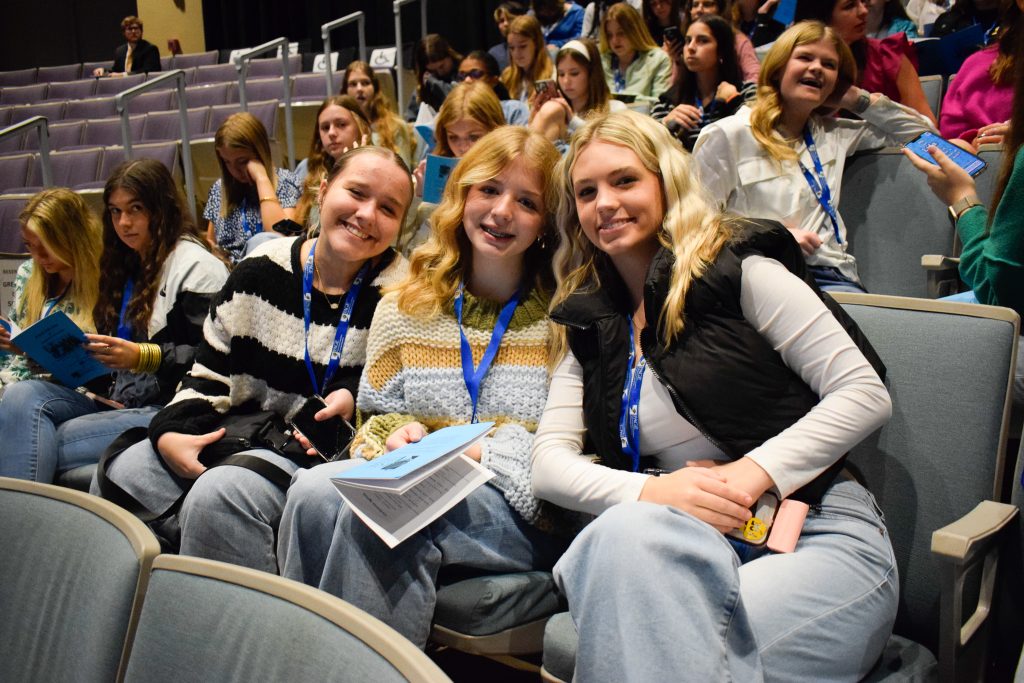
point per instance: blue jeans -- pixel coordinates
(48, 428)
(229, 513)
(653, 589)
(830, 279)
(324, 544)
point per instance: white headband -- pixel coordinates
(577, 47)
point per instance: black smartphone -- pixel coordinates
(330, 438)
(755, 531)
(671, 34)
(542, 86)
(627, 98)
(961, 157)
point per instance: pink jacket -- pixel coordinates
(973, 100)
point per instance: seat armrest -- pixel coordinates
(942, 275)
(969, 536)
(939, 262)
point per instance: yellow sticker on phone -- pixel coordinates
(754, 530)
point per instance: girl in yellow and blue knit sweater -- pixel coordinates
(480, 284)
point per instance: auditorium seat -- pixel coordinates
(69, 167)
(939, 462)
(10, 226)
(986, 182)
(72, 574)
(166, 62)
(89, 67)
(195, 59)
(54, 74)
(205, 95)
(94, 108)
(166, 153)
(164, 125)
(107, 131)
(272, 66)
(5, 115)
(215, 73)
(62, 134)
(14, 143)
(15, 171)
(932, 87)
(24, 94)
(112, 86)
(53, 111)
(265, 111)
(312, 86)
(18, 77)
(264, 628)
(258, 89)
(72, 90)
(157, 100)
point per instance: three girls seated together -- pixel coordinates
(647, 330)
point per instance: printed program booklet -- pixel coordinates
(55, 342)
(401, 492)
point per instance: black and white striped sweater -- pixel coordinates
(252, 351)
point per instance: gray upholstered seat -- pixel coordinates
(166, 125)
(313, 86)
(10, 79)
(107, 131)
(10, 226)
(24, 94)
(69, 167)
(95, 108)
(157, 100)
(112, 86)
(72, 90)
(941, 455)
(205, 620)
(15, 171)
(892, 219)
(215, 73)
(55, 74)
(206, 95)
(53, 111)
(259, 89)
(195, 59)
(933, 89)
(72, 571)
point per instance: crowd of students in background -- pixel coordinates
(647, 289)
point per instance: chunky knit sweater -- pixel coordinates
(252, 351)
(414, 373)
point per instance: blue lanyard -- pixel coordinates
(247, 227)
(124, 328)
(475, 377)
(704, 113)
(618, 75)
(629, 414)
(820, 187)
(341, 332)
(56, 300)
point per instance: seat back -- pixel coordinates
(158, 100)
(166, 153)
(72, 574)
(15, 171)
(24, 94)
(263, 627)
(215, 73)
(932, 87)
(949, 372)
(259, 89)
(164, 125)
(108, 131)
(9, 79)
(195, 59)
(892, 219)
(311, 86)
(72, 90)
(985, 183)
(113, 86)
(10, 227)
(206, 95)
(95, 108)
(64, 72)
(70, 167)
(62, 134)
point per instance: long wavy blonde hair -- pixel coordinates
(692, 228)
(514, 78)
(72, 234)
(767, 109)
(632, 24)
(475, 101)
(438, 266)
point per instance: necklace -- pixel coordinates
(334, 304)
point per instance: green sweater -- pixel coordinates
(992, 261)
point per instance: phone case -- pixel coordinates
(325, 436)
(961, 157)
(755, 531)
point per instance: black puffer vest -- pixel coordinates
(723, 376)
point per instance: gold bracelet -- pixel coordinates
(268, 199)
(149, 358)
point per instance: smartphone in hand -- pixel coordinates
(543, 86)
(330, 438)
(974, 165)
(671, 34)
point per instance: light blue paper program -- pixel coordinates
(402, 462)
(55, 342)
(435, 177)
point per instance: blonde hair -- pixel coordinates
(475, 101)
(514, 78)
(71, 232)
(767, 109)
(438, 266)
(242, 131)
(631, 23)
(692, 228)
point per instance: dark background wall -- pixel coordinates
(50, 32)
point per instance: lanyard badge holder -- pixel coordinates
(820, 186)
(474, 377)
(629, 414)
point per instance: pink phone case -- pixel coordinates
(789, 522)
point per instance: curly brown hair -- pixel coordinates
(148, 181)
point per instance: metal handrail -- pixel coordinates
(121, 102)
(397, 6)
(43, 125)
(325, 33)
(242, 64)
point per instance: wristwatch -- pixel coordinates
(960, 206)
(863, 102)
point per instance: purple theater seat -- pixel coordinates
(62, 134)
(265, 111)
(206, 95)
(195, 59)
(5, 116)
(89, 67)
(107, 131)
(218, 115)
(10, 225)
(14, 143)
(94, 108)
(15, 171)
(72, 90)
(64, 72)
(216, 73)
(158, 100)
(53, 111)
(167, 63)
(310, 86)
(164, 125)
(260, 89)
(166, 153)
(112, 86)
(69, 167)
(24, 94)
(20, 77)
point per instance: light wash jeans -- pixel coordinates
(48, 428)
(324, 544)
(657, 594)
(229, 513)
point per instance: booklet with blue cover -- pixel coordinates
(435, 177)
(401, 492)
(55, 342)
